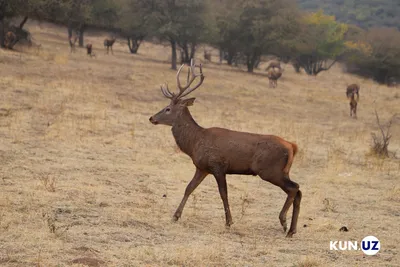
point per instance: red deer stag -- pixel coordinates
(351, 91)
(219, 152)
(108, 43)
(10, 40)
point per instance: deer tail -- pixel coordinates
(295, 149)
(292, 147)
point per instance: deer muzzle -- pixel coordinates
(153, 121)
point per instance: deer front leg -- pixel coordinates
(197, 179)
(223, 191)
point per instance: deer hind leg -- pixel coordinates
(197, 179)
(355, 111)
(223, 191)
(351, 110)
(293, 197)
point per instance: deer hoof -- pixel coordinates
(290, 234)
(284, 228)
(175, 218)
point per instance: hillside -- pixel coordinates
(87, 179)
(363, 13)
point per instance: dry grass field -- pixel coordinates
(87, 180)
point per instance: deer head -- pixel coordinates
(170, 113)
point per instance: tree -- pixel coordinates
(253, 28)
(136, 21)
(320, 43)
(26, 9)
(376, 54)
(179, 22)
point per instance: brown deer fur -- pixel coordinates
(89, 50)
(219, 152)
(108, 43)
(351, 91)
(9, 40)
(274, 64)
(273, 75)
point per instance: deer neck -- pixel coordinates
(186, 132)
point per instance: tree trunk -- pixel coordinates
(21, 25)
(252, 60)
(69, 31)
(81, 35)
(192, 51)
(134, 43)
(173, 59)
(231, 55)
(1, 32)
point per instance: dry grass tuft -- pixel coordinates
(309, 261)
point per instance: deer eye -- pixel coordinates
(167, 110)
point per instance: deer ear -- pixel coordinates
(187, 102)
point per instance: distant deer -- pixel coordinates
(9, 40)
(274, 64)
(273, 75)
(89, 50)
(72, 42)
(108, 43)
(219, 152)
(207, 55)
(274, 72)
(351, 91)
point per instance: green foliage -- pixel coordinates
(253, 28)
(363, 13)
(376, 53)
(321, 39)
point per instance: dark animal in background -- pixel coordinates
(351, 91)
(9, 40)
(108, 43)
(219, 152)
(89, 50)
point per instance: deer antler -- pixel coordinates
(184, 90)
(166, 92)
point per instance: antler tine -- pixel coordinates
(166, 92)
(185, 90)
(197, 85)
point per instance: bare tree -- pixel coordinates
(380, 144)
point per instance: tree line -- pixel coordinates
(243, 30)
